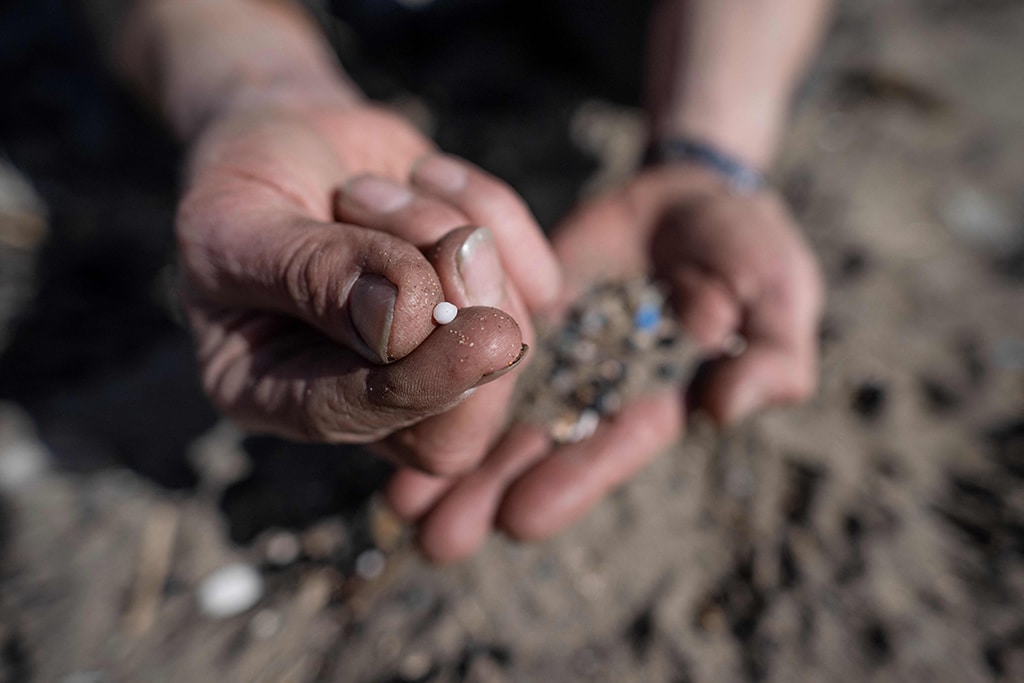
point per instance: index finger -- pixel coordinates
(526, 253)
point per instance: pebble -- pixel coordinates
(563, 381)
(265, 624)
(1008, 354)
(24, 459)
(980, 220)
(281, 548)
(445, 312)
(608, 403)
(22, 462)
(415, 666)
(585, 426)
(230, 590)
(85, 677)
(611, 369)
(327, 540)
(370, 564)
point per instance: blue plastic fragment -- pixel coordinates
(647, 317)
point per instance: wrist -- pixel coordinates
(282, 95)
(743, 130)
(738, 176)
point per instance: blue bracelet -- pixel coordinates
(741, 178)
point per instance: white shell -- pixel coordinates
(445, 312)
(230, 590)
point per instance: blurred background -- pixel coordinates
(874, 534)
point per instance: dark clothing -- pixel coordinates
(502, 78)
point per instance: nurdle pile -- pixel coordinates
(620, 340)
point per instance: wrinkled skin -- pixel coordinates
(280, 293)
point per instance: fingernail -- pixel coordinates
(491, 376)
(371, 305)
(376, 194)
(440, 173)
(480, 270)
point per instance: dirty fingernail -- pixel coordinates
(440, 173)
(480, 270)
(491, 376)
(371, 305)
(376, 194)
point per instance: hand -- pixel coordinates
(314, 328)
(736, 265)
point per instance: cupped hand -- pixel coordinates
(313, 326)
(736, 265)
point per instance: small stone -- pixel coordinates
(585, 394)
(415, 666)
(281, 548)
(386, 527)
(562, 428)
(230, 590)
(265, 624)
(23, 457)
(218, 456)
(668, 372)
(980, 220)
(593, 322)
(585, 426)
(445, 312)
(1008, 354)
(611, 369)
(327, 540)
(563, 381)
(85, 677)
(370, 564)
(585, 351)
(22, 462)
(608, 403)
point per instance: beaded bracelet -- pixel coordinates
(741, 178)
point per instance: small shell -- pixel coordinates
(445, 312)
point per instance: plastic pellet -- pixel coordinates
(445, 312)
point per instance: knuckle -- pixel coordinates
(331, 416)
(309, 272)
(436, 457)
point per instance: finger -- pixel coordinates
(760, 377)
(526, 253)
(779, 365)
(289, 380)
(411, 493)
(473, 273)
(706, 308)
(561, 488)
(457, 525)
(466, 261)
(369, 291)
(394, 207)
